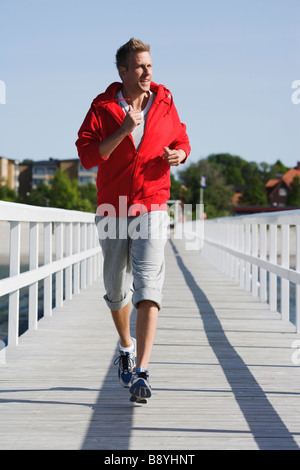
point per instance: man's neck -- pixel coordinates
(137, 101)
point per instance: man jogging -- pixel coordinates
(133, 134)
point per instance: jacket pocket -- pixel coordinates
(156, 176)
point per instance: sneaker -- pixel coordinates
(140, 388)
(126, 362)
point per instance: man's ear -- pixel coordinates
(122, 71)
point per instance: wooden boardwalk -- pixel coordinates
(221, 372)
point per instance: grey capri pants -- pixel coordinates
(133, 257)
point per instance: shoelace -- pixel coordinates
(125, 362)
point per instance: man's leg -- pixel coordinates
(148, 274)
(148, 265)
(146, 324)
(127, 346)
(117, 276)
(121, 320)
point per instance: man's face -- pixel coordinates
(137, 78)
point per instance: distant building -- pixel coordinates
(9, 173)
(76, 171)
(34, 172)
(277, 194)
(43, 171)
(278, 189)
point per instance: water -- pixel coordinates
(24, 293)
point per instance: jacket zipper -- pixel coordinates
(136, 157)
(136, 154)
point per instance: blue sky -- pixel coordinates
(229, 64)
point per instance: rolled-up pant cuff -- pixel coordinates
(118, 305)
(147, 294)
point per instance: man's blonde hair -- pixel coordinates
(132, 46)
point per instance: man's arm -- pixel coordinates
(174, 157)
(178, 151)
(132, 119)
(92, 148)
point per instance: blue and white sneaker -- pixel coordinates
(140, 388)
(126, 363)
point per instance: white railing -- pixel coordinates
(62, 243)
(261, 252)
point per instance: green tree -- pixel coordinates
(264, 169)
(179, 191)
(273, 171)
(236, 170)
(64, 192)
(293, 198)
(230, 166)
(39, 196)
(255, 194)
(88, 197)
(250, 172)
(278, 168)
(175, 188)
(6, 193)
(217, 195)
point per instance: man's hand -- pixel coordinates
(132, 119)
(174, 157)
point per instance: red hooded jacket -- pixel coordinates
(140, 177)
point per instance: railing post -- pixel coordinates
(33, 264)
(242, 248)
(48, 260)
(68, 252)
(83, 262)
(263, 256)
(285, 263)
(298, 285)
(231, 258)
(59, 255)
(273, 259)
(89, 260)
(227, 256)
(247, 251)
(14, 270)
(254, 253)
(76, 265)
(237, 241)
